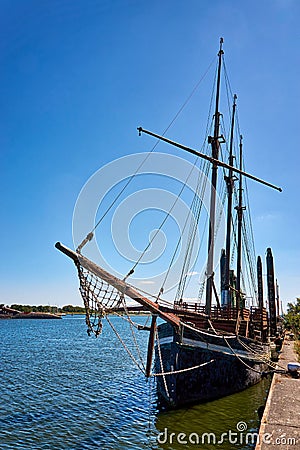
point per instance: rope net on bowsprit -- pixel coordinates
(99, 299)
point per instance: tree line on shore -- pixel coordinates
(67, 309)
(292, 322)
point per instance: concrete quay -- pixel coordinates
(280, 425)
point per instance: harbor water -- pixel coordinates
(64, 390)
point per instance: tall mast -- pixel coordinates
(260, 292)
(239, 209)
(229, 182)
(260, 284)
(271, 291)
(215, 145)
(277, 298)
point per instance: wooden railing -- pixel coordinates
(195, 307)
(227, 312)
(251, 322)
(259, 316)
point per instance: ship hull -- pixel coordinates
(223, 370)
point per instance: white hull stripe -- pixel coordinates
(206, 346)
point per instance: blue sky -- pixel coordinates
(77, 77)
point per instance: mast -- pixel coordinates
(229, 182)
(271, 291)
(222, 275)
(260, 292)
(260, 284)
(215, 145)
(277, 298)
(239, 209)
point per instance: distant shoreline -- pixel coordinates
(32, 315)
(19, 311)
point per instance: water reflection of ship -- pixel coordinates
(202, 422)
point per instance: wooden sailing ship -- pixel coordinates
(202, 351)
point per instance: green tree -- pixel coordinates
(22, 308)
(68, 308)
(292, 317)
(73, 309)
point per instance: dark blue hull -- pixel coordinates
(223, 370)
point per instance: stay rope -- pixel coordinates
(240, 359)
(164, 220)
(249, 253)
(161, 364)
(90, 235)
(141, 368)
(133, 334)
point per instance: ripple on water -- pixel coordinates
(62, 390)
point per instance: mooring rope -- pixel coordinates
(175, 372)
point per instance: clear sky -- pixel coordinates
(76, 79)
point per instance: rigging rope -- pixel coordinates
(161, 363)
(125, 346)
(196, 208)
(259, 356)
(193, 229)
(90, 293)
(132, 332)
(90, 235)
(240, 359)
(164, 220)
(226, 338)
(175, 252)
(249, 247)
(111, 298)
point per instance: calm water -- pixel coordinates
(61, 389)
